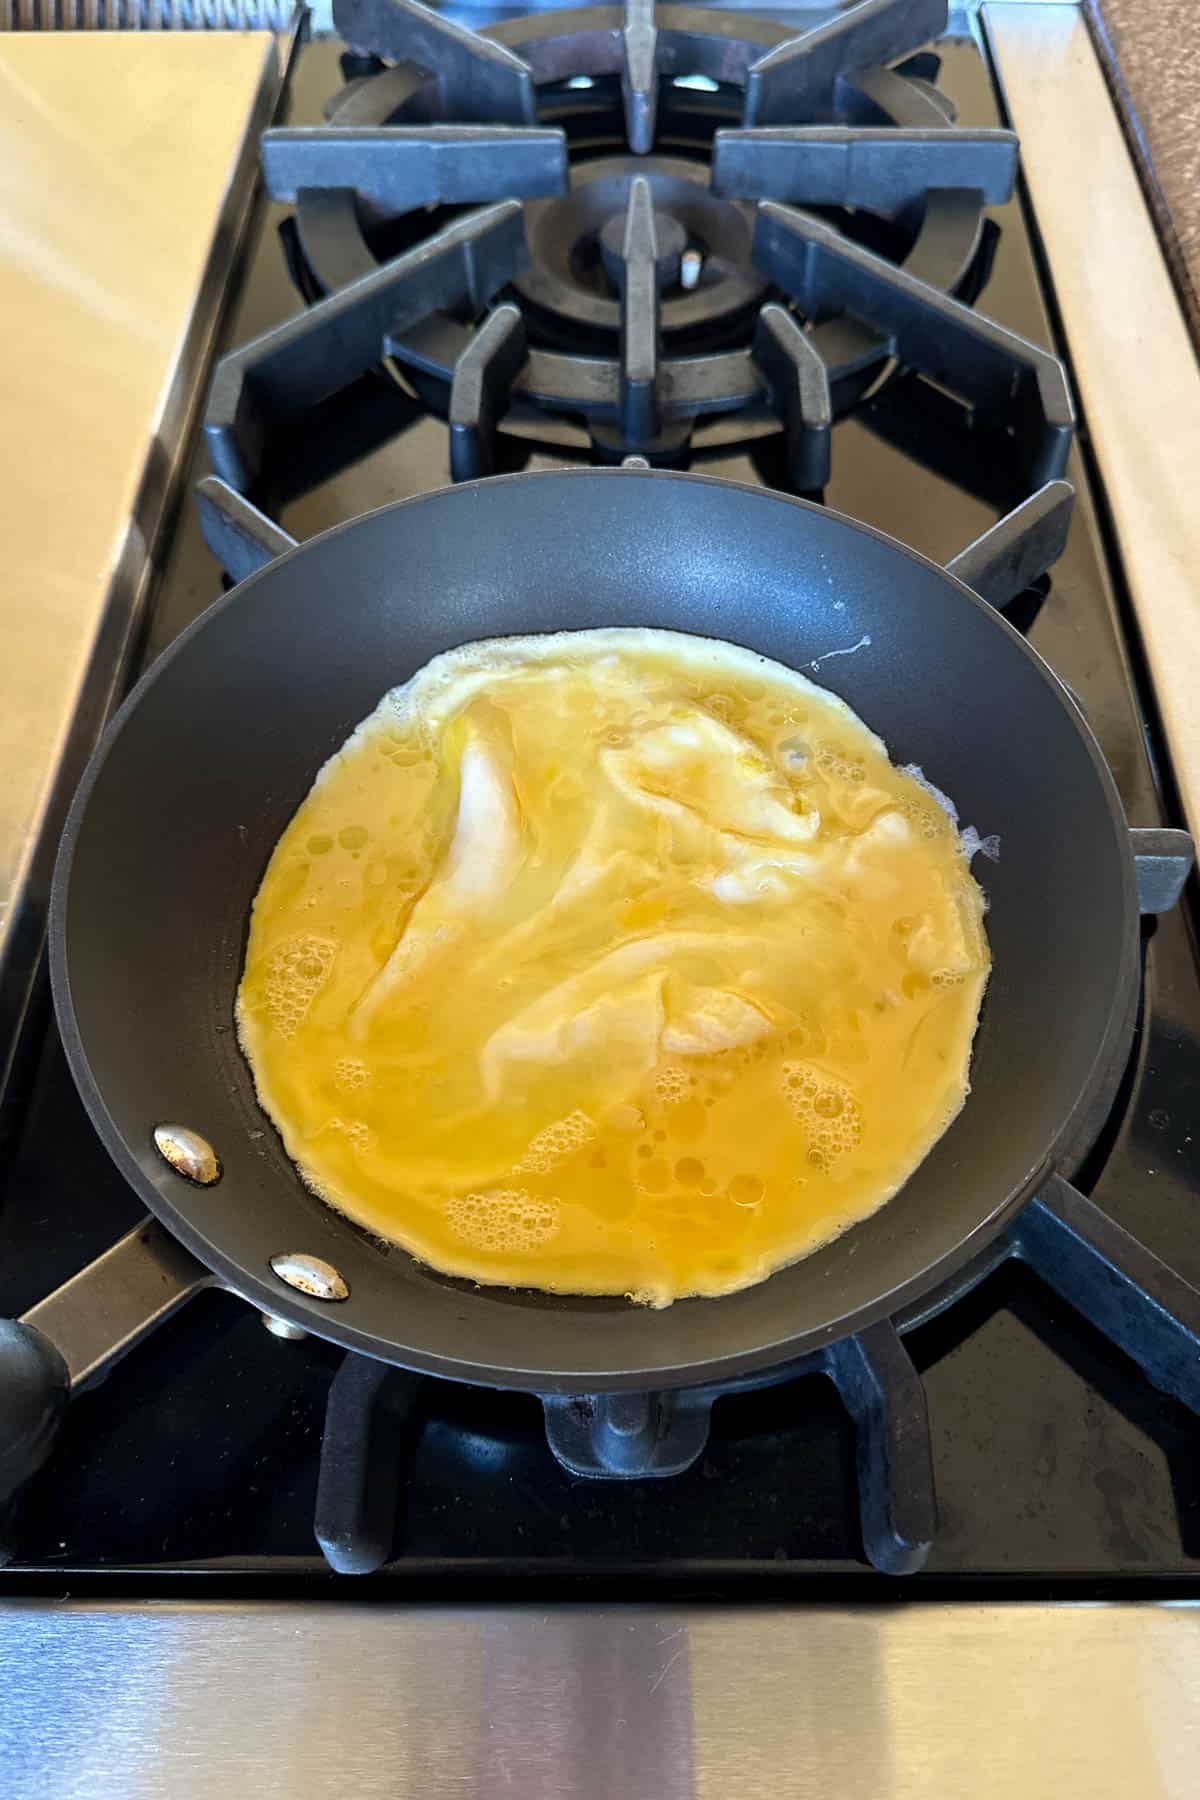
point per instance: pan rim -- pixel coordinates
(1099, 1084)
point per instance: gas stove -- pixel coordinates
(603, 275)
(692, 239)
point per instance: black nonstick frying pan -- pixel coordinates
(203, 766)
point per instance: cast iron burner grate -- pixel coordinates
(1139, 1304)
(1071, 1244)
(586, 222)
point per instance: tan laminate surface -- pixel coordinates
(123, 156)
(1134, 371)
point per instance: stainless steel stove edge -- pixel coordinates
(203, 1699)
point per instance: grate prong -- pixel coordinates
(639, 74)
(478, 79)
(639, 318)
(797, 79)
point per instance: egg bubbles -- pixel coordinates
(613, 962)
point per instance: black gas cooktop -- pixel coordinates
(1057, 1464)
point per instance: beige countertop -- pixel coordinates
(128, 163)
(1151, 50)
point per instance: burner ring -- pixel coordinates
(562, 234)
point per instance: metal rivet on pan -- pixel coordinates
(188, 1153)
(283, 1328)
(634, 462)
(310, 1275)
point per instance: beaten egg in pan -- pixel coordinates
(613, 962)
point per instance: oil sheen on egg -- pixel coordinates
(612, 962)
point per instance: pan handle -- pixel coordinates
(73, 1337)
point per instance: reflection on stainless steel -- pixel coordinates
(696, 1704)
(189, 1153)
(93, 1319)
(1133, 360)
(310, 1275)
(114, 264)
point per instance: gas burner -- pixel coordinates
(576, 268)
(682, 141)
(1139, 1304)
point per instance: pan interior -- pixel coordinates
(201, 772)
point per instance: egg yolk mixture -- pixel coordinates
(612, 962)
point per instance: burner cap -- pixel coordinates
(671, 239)
(576, 243)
